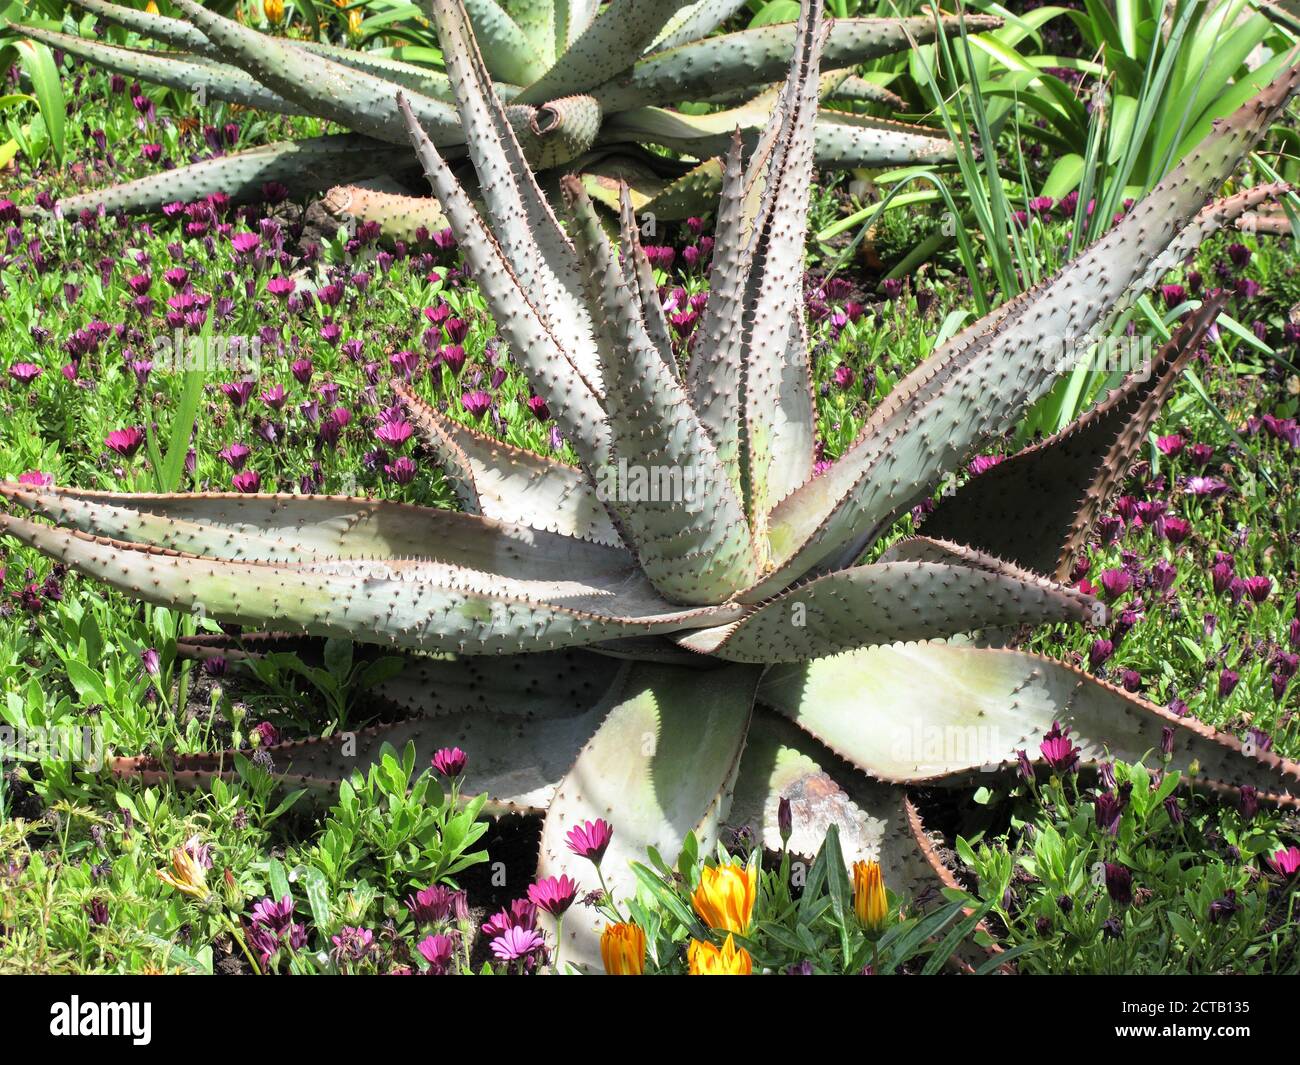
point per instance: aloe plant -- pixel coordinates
(585, 87)
(682, 661)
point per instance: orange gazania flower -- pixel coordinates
(186, 876)
(725, 898)
(869, 900)
(705, 959)
(622, 949)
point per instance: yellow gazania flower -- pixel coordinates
(354, 22)
(274, 11)
(705, 959)
(622, 949)
(869, 900)
(725, 898)
(186, 876)
(151, 8)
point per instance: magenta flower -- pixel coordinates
(275, 397)
(125, 442)
(394, 431)
(352, 944)
(1227, 683)
(452, 356)
(248, 482)
(1171, 445)
(1222, 577)
(590, 840)
(402, 470)
(554, 894)
(1119, 883)
(1258, 588)
(1163, 575)
(539, 409)
(521, 914)
(1100, 652)
(301, 370)
(235, 456)
(334, 423)
(438, 952)
(37, 479)
(476, 403)
(177, 276)
(435, 904)
(450, 761)
(151, 661)
(24, 373)
(843, 377)
(516, 943)
(1285, 862)
(281, 287)
(1177, 529)
(266, 733)
(238, 392)
(1058, 750)
(1107, 811)
(276, 916)
(1206, 486)
(1247, 802)
(243, 243)
(1116, 582)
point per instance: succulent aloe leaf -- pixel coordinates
(416, 604)
(510, 54)
(665, 759)
(845, 85)
(694, 22)
(571, 18)
(249, 645)
(839, 139)
(694, 193)
(749, 373)
(399, 216)
(687, 528)
(638, 276)
(1214, 217)
(929, 710)
(552, 701)
(1283, 12)
(321, 86)
(713, 374)
(610, 45)
(538, 252)
(189, 39)
(943, 591)
(979, 382)
(551, 370)
(179, 71)
(777, 412)
(289, 528)
(560, 130)
(302, 166)
(507, 483)
(1037, 507)
(173, 31)
(872, 819)
(703, 68)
